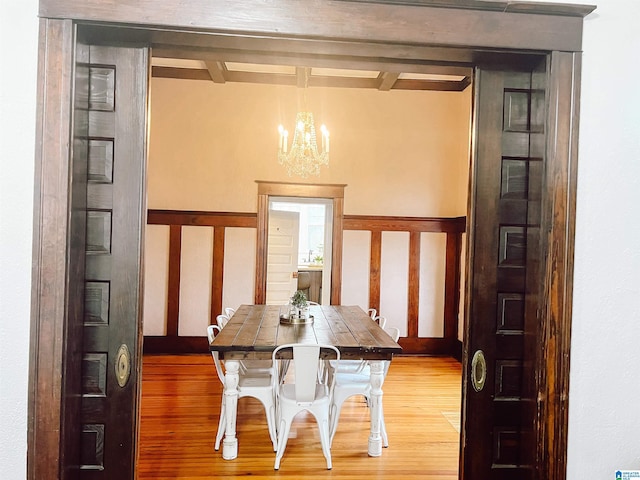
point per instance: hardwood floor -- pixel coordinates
(181, 404)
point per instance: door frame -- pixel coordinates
(433, 32)
(335, 193)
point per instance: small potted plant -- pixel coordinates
(299, 303)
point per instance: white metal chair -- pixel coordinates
(255, 366)
(348, 384)
(380, 320)
(259, 385)
(222, 320)
(357, 366)
(307, 392)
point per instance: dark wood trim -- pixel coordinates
(558, 221)
(217, 71)
(336, 251)
(181, 345)
(452, 285)
(426, 346)
(374, 269)
(496, 5)
(201, 219)
(173, 290)
(432, 85)
(452, 27)
(305, 190)
(45, 427)
(158, 71)
(404, 224)
(413, 290)
(217, 273)
(456, 350)
(261, 249)
(386, 80)
(415, 226)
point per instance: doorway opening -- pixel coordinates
(370, 37)
(312, 266)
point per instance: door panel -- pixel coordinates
(115, 209)
(498, 413)
(282, 256)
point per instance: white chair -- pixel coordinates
(222, 320)
(380, 320)
(228, 311)
(348, 384)
(307, 392)
(254, 384)
(246, 366)
(357, 366)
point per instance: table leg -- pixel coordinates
(231, 378)
(375, 407)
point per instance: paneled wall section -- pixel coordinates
(407, 268)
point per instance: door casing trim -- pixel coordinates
(517, 31)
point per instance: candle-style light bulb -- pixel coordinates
(281, 131)
(325, 138)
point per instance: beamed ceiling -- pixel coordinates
(432, 77)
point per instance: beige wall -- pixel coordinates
(400, 153)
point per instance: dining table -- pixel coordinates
(254, 331)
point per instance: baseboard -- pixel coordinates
(456, 350)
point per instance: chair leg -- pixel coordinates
(283, 436)
(335, 416)
(270, 412)
(325, 441)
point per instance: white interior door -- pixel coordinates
(282, 256)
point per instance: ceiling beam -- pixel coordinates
(302, 76)
(217, 70)
(317, 61)
(314, 81)
(387, 79)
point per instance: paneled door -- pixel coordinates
(503, 285)
(282, 256)
(111, 115)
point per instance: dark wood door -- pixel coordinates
(111, 108)
(498, 407)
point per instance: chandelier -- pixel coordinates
(303, 158)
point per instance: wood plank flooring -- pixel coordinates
(181, 406)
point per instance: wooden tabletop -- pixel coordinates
(255, 331)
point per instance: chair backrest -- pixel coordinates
(212, 331)
(306, 362)
(372, 313)
(393, 333)
(222, 320)
(380, 320)
(228, 311)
